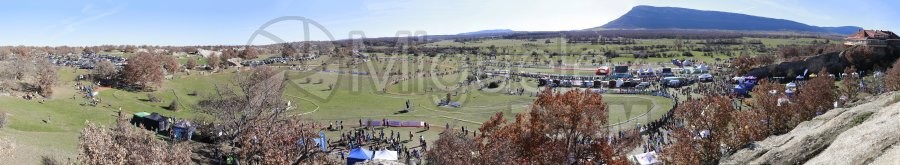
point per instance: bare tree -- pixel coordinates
(213, 61)
(742, 64)
(249, 53)
(170, 64)
(288, 51)
(554, 131)
(191, 63)
(452, 147)
(22, 66)
(892, 77)
(253, 115)
(105, 72)
(228, 53)
(126, 144)
(850, 84)
(46, 77)
(143, 71)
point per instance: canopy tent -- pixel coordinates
(665, 70)
(645, 70)
(702, 67)
(183, 130)
(791, 85)
(647, 158)
(153, 121)
(621, 69)
(359, 155)
(385, 155)
(141, 114)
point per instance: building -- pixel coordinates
(875, 38)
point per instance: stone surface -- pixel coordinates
(863, 134)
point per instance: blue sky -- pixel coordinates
(215, 22)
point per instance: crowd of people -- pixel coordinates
(378, 137)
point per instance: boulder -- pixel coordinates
(863, 134)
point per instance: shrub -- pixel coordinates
(4, 118)
(213, 62)
(152, 98)
(191, 63)
(858, 119)
(493, 85)
(174, 106)
(47, 160)
(764, 59)
(892, 77)
(742, 64)
(893, 100)
(798, 52)
(126, 144)
(859, 55)
(850, 84)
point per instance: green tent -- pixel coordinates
(141, 114)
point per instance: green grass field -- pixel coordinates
(51, 128)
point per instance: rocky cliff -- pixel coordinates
(867, 133)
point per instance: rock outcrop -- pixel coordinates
(868, 133)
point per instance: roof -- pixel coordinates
(360, 153)
(141, 114)
(385, 155)
(873, 34)
(156, 117)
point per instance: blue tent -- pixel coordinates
(359, 155)
(745, 86)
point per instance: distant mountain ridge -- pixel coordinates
(492, 31)
(650, 17)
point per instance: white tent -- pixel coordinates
(647, 158)
(385, 155)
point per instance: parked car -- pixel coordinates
(642, 85)
(674, 82)
(705, 78)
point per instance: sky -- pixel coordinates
(227, 22)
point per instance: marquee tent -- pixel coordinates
(152, 121)
(359, 155)
(385, 155)
(647, 158)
